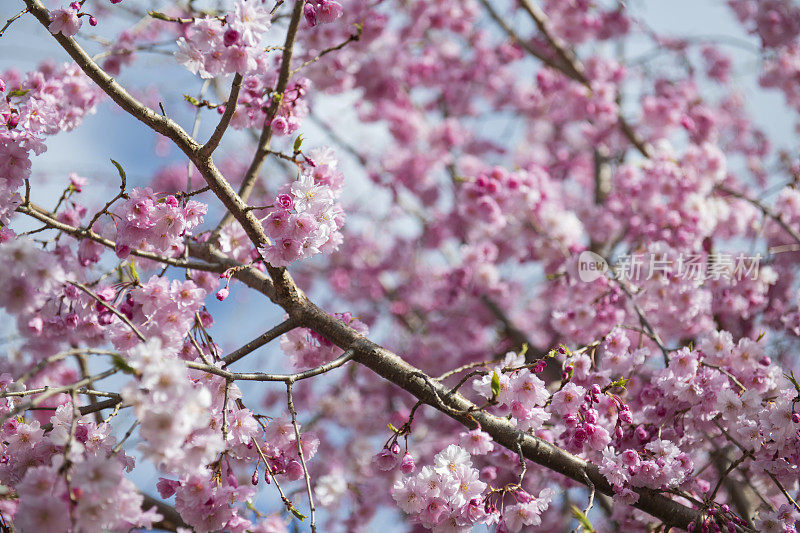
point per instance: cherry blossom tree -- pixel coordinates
(552, 285)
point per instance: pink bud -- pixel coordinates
(122, 250)
(36, 324)
(12, 121)
(75, 5)
(523, 497)
(222, 294)
(171, 201)
(231, 37)
(796, 418)
(254, 479)
(310, 14)
(395, 448)
(285, 201)
(92, 21)
(407, 464)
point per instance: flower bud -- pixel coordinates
(407, 464)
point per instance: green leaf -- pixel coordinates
(790, 377)
(121, 171)
(761, 336)
(133, 272)
(192, 100)
(121, 364)
(18, 92)
(158, 15)
(524, 349)
(300, 516)
(621, 382)
(495, 384)
(582, 519)
(297, 143)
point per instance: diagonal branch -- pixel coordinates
(258, 342)
(262, 149)
(224, 122)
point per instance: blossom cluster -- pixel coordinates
(173, 412)
(521, 395)
(215, 46)
(95, 497)
(41, 103)
(162, 309)
(305, 218)
(446, 496)
(146, 223)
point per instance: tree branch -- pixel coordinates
(230, 109)
(262, 149)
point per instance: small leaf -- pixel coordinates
(790, 377)
(621, 382)
(133, 272)
(582, 519)
(300, 516)
(524, 349)
(761, 336)
(192, 100)
(18, 92)
(158, 15)
(495, 384)
(121, 171)
(297, 143)
(123, 365)
(394, 429)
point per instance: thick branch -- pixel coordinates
(396, 370)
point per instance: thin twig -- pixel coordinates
(764, 209)
(293, 413)
(52, 391)
(249, 181)
(230, 109)
(11, 21)
(111, 308)
(286, 378)
(284, 327)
